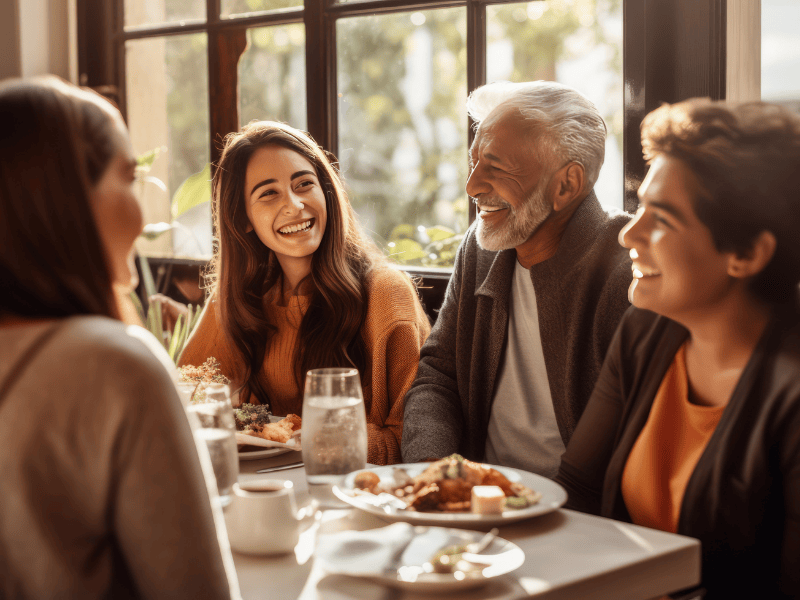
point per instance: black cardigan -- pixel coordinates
(743, 498)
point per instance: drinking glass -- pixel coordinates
(334, 430)
(217, 430)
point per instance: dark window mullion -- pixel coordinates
(476, 63)
(321, 73)
(118, 56)
(376, 7)
(225, 46)
(161, 30)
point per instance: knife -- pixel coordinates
(293, 465)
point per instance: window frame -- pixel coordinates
(672, 50)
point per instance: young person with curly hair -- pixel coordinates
(694, 424)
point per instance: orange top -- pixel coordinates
(667, 450)
(394, 329)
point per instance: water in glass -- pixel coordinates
(334, 430)
(216, 429)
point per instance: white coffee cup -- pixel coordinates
(262, 517)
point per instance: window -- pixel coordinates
(780, 52)
(380, 83)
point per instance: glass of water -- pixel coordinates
(334, 434)
(216, 429)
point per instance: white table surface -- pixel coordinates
(568, 555)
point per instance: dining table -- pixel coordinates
(568, 555)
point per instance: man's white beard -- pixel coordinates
(519, 224)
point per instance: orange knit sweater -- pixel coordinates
(394, 329)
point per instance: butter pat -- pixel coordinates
(488, 500)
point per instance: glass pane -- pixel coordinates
(167, 101)
(780, 52)
(233, 8)
(272, 75)
(577, 43)
(158, 12)
(403, 129)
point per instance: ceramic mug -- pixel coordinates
(262, 517)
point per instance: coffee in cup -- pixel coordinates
(262, 517)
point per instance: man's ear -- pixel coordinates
(567, 185)
(754, 260)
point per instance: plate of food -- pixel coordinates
(260, 434)
(452, 491)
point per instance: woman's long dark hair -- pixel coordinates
(244, 270)
(56, 140)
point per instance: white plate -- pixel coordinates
(553, 498)
(261, 453)
(505, 557)
(251, 440)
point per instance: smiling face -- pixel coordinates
(507, 181)
(285, 205)
(677, 270)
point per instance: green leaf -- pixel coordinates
(402, 231)
(174, 341)
(159, 324)
(147, 276)
(152, 231)
(439, 232)
(196, 190)
(146, 160)
(139, 308)
(406, 250)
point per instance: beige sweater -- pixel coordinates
(102, 492)
(393, 331)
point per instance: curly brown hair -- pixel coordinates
(244, 270)
(747, 159)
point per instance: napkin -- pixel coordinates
(372, 552)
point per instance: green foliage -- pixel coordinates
(174, 340)
(195, 191)
(147, 276)
(430, 247)
(144, 162)
(380, 113)
(272, 75)
(186, 64)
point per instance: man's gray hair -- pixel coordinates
(568, 124)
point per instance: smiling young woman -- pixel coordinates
(295, 285)
(694, 425)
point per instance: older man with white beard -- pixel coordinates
(539, 285)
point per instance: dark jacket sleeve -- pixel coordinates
(583, 465)
(790, 552)
(432, 423)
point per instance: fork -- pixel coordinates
(481, 544)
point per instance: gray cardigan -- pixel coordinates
(581, 293)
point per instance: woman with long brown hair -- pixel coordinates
(90, 507)
(296, 285)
